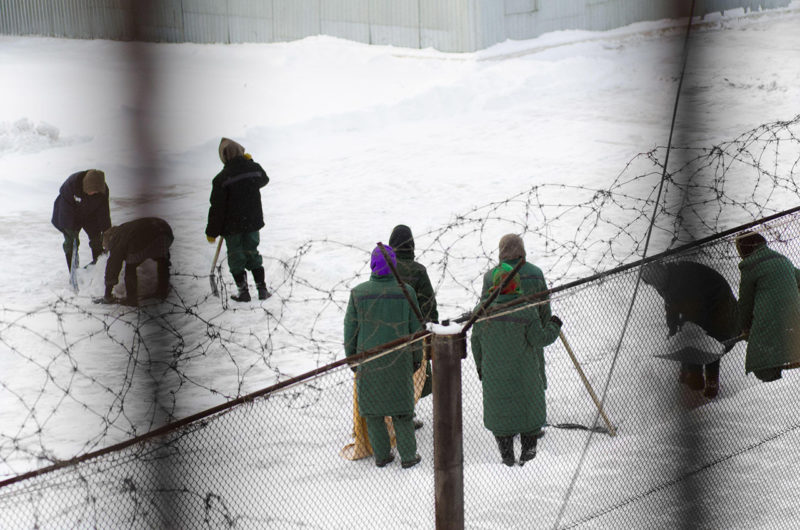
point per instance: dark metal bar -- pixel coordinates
(448, 438)
(402, 285)
(486, 303)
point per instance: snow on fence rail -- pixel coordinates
(119, 373)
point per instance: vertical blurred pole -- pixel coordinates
(690, 120)
(144, 172)
(144, 103)
(448, 446)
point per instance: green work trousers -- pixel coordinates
(403, 430)
(243, 252)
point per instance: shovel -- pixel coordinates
(211, 278)
(73, 267)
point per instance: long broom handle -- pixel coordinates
(216, 255)
(597, 403)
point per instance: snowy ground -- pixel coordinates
(356, 139)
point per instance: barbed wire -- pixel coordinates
(120, 372)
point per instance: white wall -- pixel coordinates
(447, 25)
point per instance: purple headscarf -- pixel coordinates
(378, 262)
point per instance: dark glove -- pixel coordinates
(417, 365)
(557, 321)
(354, 369)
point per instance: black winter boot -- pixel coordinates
(528, 447)
(241, 283)
(506, 445)
(261, 286)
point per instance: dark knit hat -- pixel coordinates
(94, 181)
(378, 262)
(749, 242)
(511, 247)
(228, 150)
(500, 274)
(401, 238)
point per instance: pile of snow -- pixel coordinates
(25, 137)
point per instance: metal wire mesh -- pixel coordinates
(275, 463)
(670, 440)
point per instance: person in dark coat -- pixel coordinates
(694, 292)
(82, 204)
(132, 243)
(769, 306)
(511, 250)
(236, 215)
(378, 312)
(415, 274)
(508, 351)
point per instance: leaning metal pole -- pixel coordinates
(448, 440)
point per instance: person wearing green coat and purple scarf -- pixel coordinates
(508, 352)
(378, 312)
(769, 308)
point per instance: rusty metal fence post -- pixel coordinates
(448, 441)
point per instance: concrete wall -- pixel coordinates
(447, 25)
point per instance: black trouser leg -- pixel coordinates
(692, 376)
(131, 284)
(96, 244)
(712, 379)
(712, 372)
(163, 277)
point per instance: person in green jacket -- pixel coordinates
(415, 274)
(511, 251)
(769, 307)
(508, 351)
(378, 312)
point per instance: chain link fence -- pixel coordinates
(275, 460)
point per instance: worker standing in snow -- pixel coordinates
(378, 312)
(508, 350)
(414, 274)
(511, 250)
(82, 204)
(769, 306)
(694, 292)
(236, 215)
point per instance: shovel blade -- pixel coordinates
(214, 290)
